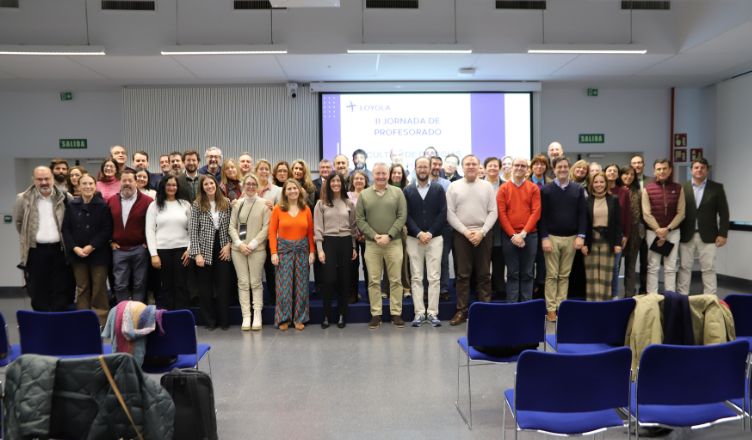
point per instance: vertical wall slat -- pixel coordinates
(261, 120)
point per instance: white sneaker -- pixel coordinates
(246, 324)
(256, 320)
(418, 321)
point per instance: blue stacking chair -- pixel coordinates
(587, 326)
(8, 351)
(586, 397)
(689, 386)
(179, 340)
(62, 334)
(497, 325)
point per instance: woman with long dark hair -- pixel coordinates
(293, 250)
(636, 229)
(210, 249)
(167, 239)
(538, 175)
(618, 190)
(87, 229)
(334, 232)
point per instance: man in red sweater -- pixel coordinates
(130, 259)
(519, 206)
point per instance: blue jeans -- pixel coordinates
(520, 267)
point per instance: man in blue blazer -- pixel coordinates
(426, 220)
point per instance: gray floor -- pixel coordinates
(387, 383)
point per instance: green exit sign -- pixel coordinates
(66, 96)
(592, 92)
(592, 138)
(73, 144)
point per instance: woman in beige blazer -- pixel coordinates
(249, 228)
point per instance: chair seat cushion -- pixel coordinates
(564, 423)
(476, 355)
(183, 361)
(13, 352)
(681, 415)
(576, 348)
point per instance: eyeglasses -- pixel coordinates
(251, 184)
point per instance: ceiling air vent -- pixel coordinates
(651, 5)
(392, 4)
(129, 5)
(520, 4)
(9, 4)
(240, 5)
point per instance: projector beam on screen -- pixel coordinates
(399, 127)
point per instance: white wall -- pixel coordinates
(31, 124)
(732, 165)
(632, 119)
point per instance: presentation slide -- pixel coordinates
(393, 127)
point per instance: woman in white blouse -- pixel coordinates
(167, 239)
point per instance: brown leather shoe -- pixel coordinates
(299, 326)
(458, 318)
(551, 316)
(284, 326)
(398, 321)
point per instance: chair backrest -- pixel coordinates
(584, 382)
(741, 309)
(691, 375)
(179, 335)
(506, 325)
(583, 322)
(59, 333)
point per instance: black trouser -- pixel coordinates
(498, 285)
(49, 280)
(577, 277)
(643, 265)
(214, 289)
(174, 294)
(336, 272)
(271, 291)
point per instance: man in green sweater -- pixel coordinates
(381, 213)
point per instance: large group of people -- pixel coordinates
(518, 228)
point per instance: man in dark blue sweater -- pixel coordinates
(426, 220)
(562, 231)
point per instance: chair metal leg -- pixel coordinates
(504, 420)
(467, 419)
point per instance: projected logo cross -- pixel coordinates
(351, 106)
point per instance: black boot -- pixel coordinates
(341, 322)
(325, 322)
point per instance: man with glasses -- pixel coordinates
(213, 167)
